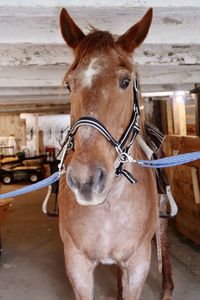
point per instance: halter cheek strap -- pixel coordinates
(122, 150)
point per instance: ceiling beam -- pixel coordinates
(34, 57)
(31, 90)
(52, 75)
(33, 108)
(179, 25)
(97, 3)
(58, 54)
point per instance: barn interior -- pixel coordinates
(34, 116)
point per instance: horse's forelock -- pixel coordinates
(95, 41)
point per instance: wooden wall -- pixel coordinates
(13, 125)
(185, 183)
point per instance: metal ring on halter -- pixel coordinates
(125, 157)
(68, 146)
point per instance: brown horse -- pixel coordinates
(103, 217)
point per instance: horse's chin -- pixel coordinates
(92, 200)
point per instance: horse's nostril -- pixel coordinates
(72, 182)
(87, 182)
(100, 179)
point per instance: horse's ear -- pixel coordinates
(71, 33)
(135, 35)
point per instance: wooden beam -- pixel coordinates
(179, 117)
(28, 54)
(156, 118)
(195, 183)
(31, 108)
(148, 88)
(46, 99)
(168, 60)
(27, 91)
(52, 75)
(169, 116)
(41, 24)
(196, 91)
(36, 134)
(105, 3)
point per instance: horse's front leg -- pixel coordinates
(80, 273)
(135, 272)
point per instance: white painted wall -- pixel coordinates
(12, 125)
(51, 125)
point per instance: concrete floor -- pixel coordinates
(32, 265)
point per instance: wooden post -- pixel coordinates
(179, 116)
(41, 142)
(156, 118)
(164, 117)
(196, 91)
(195, 184)
(36, 135)
(169, 115)
(197, 109)
(159, 117)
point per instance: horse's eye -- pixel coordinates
(67, 86)
(124, 83)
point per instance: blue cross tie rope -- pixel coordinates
(36, 186)
(166, 162)
(170, 161)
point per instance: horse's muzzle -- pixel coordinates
(86, 183)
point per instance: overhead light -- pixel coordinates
(179, 99)
(179, 96)
(180, 93)
(158, 94)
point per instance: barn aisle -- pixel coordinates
(32, 265)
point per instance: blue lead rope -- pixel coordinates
(166, 162)
(170, 161)
(35, 186)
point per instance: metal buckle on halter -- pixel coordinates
(124, 157)
(67, 146)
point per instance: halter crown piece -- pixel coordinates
(122, 150)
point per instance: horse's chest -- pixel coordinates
(107, 231)
(106, 235)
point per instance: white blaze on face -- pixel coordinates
(88, 75)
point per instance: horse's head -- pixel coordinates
(100, 82)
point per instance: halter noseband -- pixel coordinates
(122, 150)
